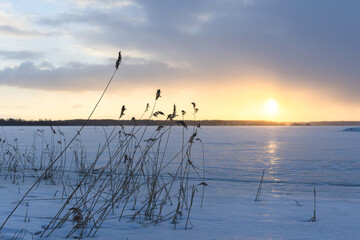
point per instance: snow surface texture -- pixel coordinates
(295, 160)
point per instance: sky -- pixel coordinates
(274, 60)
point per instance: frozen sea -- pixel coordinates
(295, 160)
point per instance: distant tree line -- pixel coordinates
(111, 122)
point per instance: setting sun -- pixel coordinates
(271, 107)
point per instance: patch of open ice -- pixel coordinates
(353, 129)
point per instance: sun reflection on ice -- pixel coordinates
(272, 152)
(272, 149)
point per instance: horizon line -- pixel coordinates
(207, 122)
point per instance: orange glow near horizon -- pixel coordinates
(244, 99)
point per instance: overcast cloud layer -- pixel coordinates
(306, 43)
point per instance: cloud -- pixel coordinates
(312, 44)
(16, 32)
(76, 76)
(6, 6)
(10, 30)
(103, 3)
(20, 55)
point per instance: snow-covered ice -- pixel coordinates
(295, 160)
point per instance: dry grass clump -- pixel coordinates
(17, 163)
(134, 176)
(140, 181)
